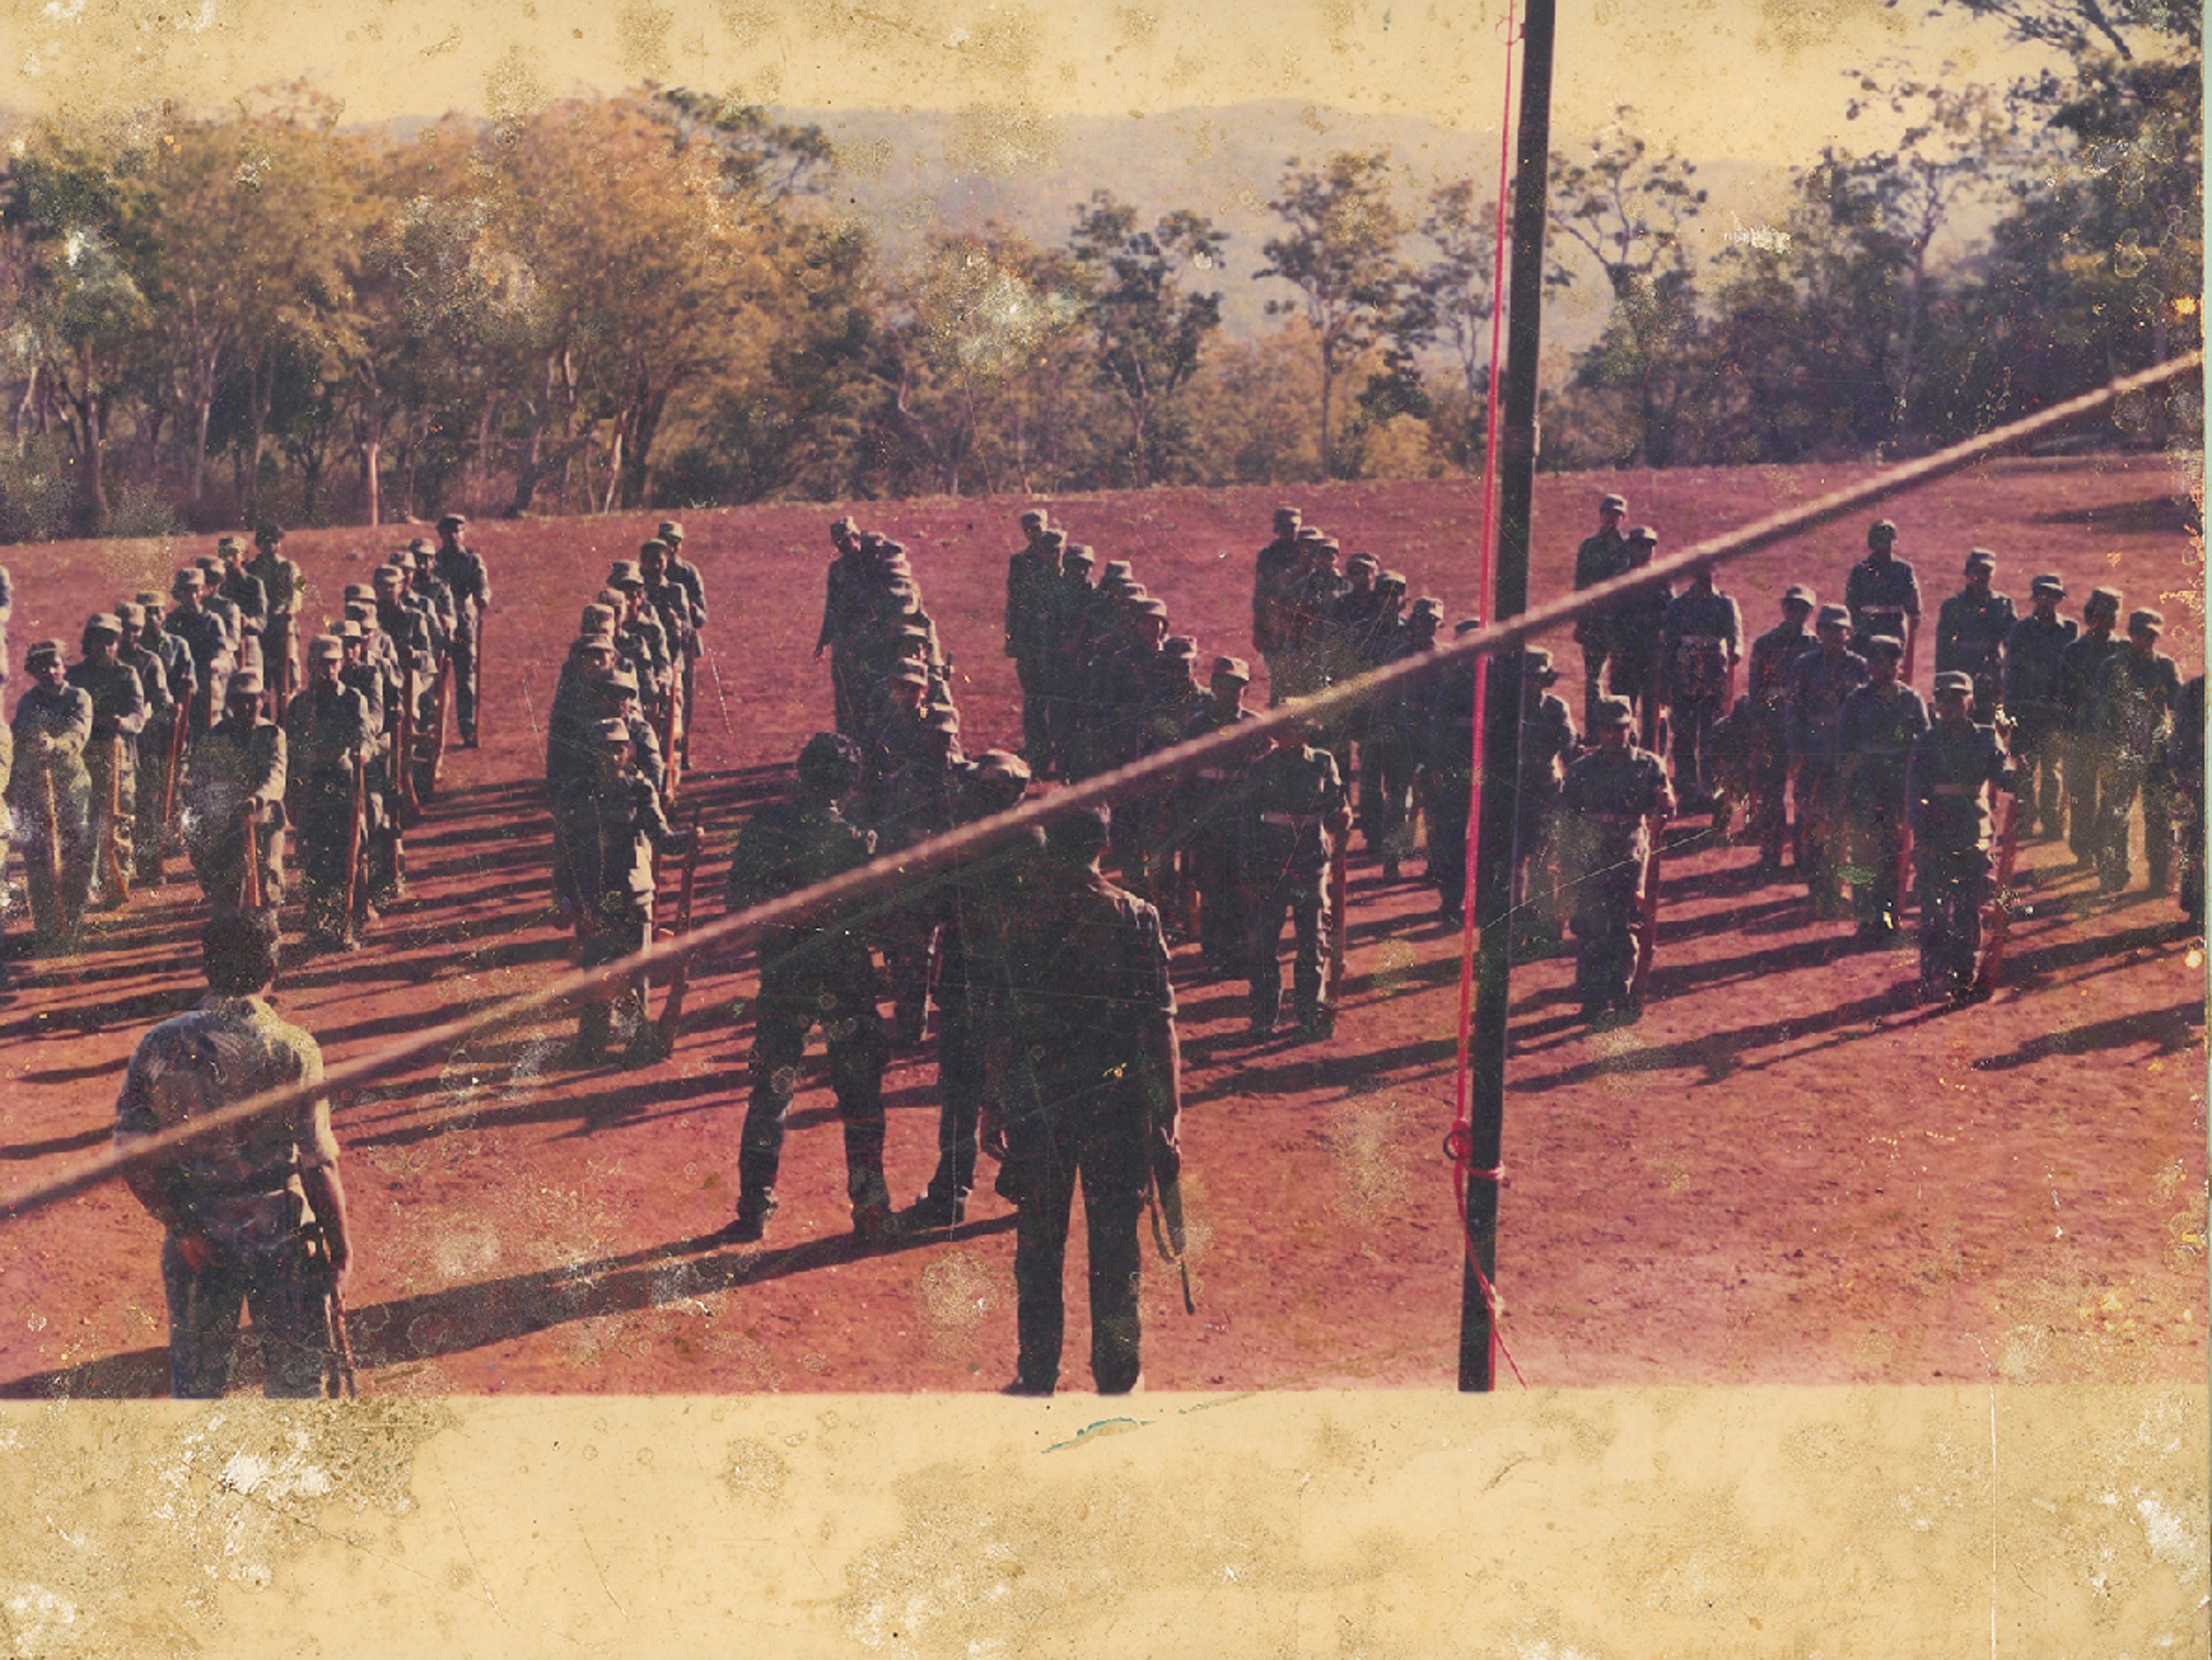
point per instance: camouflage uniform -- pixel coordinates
(234, 766)
(1605, 803)
(2080, 669)
(2033, 650)
(610, 822)
(52, 728)
(119, 711)
(1292, 812)
(1954, 764)
(2136, 695)
(1819, 683)
(326, 730)
(1875, 732)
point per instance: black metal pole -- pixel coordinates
(1501, 733)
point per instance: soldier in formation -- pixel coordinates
(1293, 819)
(49, 796)
(1956, 767)
(119, 709)
(1971, 628)
(234, 791)
(1875, 730)
(329, 736)
(1615, 804)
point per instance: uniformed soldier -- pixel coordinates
(641, 637)
(1613, 802)
(1396, 737)
(1875, 730)
(208, 641)
(575, 706)
(1955, 765)
(1773, 655)
(686, 576)
(1635, 639)
(1820, 681)
(244, 593)
(2186, 786)
(1030, 574)
(1447, 778)
(379, 882)
(2136, 695)
(1348, 647)
(1293, 816)
(1971, 628)
(1156, 838)
(669, 600)
(1312, 600)
(1882, 597)
(1701, 641)
(429, 591)
(1599, 557)
(119, 717)
(2080, 668)
(917, 798)
(1275, 571)
(817, 970)
(1548, 746)
(255, 1216)
(2032, 655)
(461, 569)
(49, 794)
(150, 774)
(617, 691)
(1208, 805)
(610, 823)
(386, 803)
(224, 610)
(284, 585)
(846, 574)
(237, 768)
(1094, 1098)
(327, 736)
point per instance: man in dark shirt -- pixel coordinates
(1773, 655)
(1294, 815)
(2080, 669)
(1701, 642)
(2136, 695)
(1635, 632)
(1880, 722)
(1955, 765)
(1614, 802)
(1599, 559)
(1882, 597)
(1971, 628)
(2033, 650)
(1820, 681)
(1273, 571)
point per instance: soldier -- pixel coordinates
(118, 715)
(2136, 695)
(617, 700)
(49, 794)
(2080, 668)
(1971, 628)
(670, 601)
(461, 568)
(977, 898)
(847, 573)
(1094, 1098)
(1773, 654)
(1396, 734)
(255, 1217)
(1274, 571)
(284, 585)
(918, 797)
(1548, 746)
(151, 772)
(327, 736)
(208, 641)
(2186, 786)
(610, 823)
(2033, 653)
(429, 591)
(1293, 816)
(225, 611)
(237, 768)
(379, 883)
(1879, 723)
(1635, 639)
(685, 576)
(1599, 559)
(1312, 599)
(568, 743)
(1954, 764)
(1062, 606)
(1207, 806)
(1156, 834)
(1882, 597)
(1030, 576)
(815, 970)
(1701, 642)
(1447, 778)
(246, 596)
(639, 634)
(1613, 805)
(1820, 681)
(383, 684)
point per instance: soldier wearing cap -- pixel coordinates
(685, 574)
(1030, 573)
(223, 608)
(2033, 652)
(1882, 597)
(1394, 737)
(283, 585)
(1448, 777)
(1956, 768)
(1150, 833)
(1275, 571)
(381, 881)
(1701, 641)
(917, 798)
(1363, 624)
(150, 768)
(1971, 628)
(610, 823)
(461, 569)
(2080, 668)
(239, 766)
(50, 793)
(118, 715)
(1207, 805)
(1820, 681)
(1879, 723)
(2136, 695)
(617, 699)
(815, 970)
(1613, 802)
(327, 731)
(640, 634)
(1636, 638)
(206, 638)
(1548, 746)
(429, 591)
(852, 569)
(1063, 605)
(1773, 654)
(1293, 814)
(2184, 783)
(1599, 557)
(244, 593)
(1313, 599)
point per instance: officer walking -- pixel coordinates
(50, 794)
(1971, 628)
(237, 769)
(1030, 576)
(1882, 597)
(1614, 803)
(847, 574)
(326, 738)
(2032, 654)
(1294, 815)
(1955, 766)
(1879, 723)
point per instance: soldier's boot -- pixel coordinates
(591, 1030)
(874, 1221)
(754, 1207)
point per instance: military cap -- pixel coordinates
(208, 564)
(1953, 683)
(909, 674)
(619, 679)
(652, 545)
(1537, 665)
(613, 600)
(1885, 645)
(1798, 594)
(422, 548)
(1234, 668)
(187, 580)
(1613, 504)
(350, 629)
(1309, 533)
(943, 718)
(324, 646)
(1290, 512)
(1179, 645)
(364, 615)
(1835, 614)
(1611, 712)
(669, 530)
(2109, 599)
(230, 544)
(148, 598)
(591, 645)
(1149, 607)
(1032, 517)
(2147, 618)
(1133, 591)
(1881, 530)
(830, 760)
(1981, 556)
(1078, 555)
(103, 623)
(1392, 579)
(1001, 766)
(844, 526)
(453, 522)
(1363, 561)
(611, 731)
(1117, 570)
(623, 574)
(269, 533)
(1054, 538)
(1467, 626)
(1642, 535)
(391, 568)
(359, 591)
(1428, 606)
(596, 620)
(133, 615)
(1328, 545)
(2049, 583)
(245, 683)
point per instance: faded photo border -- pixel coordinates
(1539, 1525)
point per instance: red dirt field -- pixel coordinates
(1784, 1173)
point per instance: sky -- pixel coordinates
(1758, 79)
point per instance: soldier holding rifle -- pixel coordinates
(284, 585)
(50, 794)
(118, 715)
(1956, 768)
(234, 795)
(1613, 805)
(327, 733)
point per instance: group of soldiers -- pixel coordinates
(205, 723)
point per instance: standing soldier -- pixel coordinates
(1207, 806)
(2033, 652)
(686, 576)
(1397, 734)
(1030, 576)
(640, 635)
(2136, 695)
(817, 969)
(1971, 628)
(162, 753)
(428, 590)
(461, 568)
(610, 823)
(919, 799)
(1773, 657)
(376, 884)
(1599, 559)
(237, 770)
(1294, 815)
(1875, 732)
(1312, 600)
(1548, 746)
(1171, 700)
(118, 715)
(1635, 638)
(1613, 805)
(2080, 668)
(2186, 784)
(1701, 643)
(284, 585)
(847, 573)
(386, 803)
(326, 735)
(670, 601)
(255, 1217)
(248, 599)
(50, 794)
(208, 641)
(1094, 1099)
(1062, 605)
(1448, 779)
(1882, 597)
(1275, 571)
(1955, 765)
(1820, 681)
(150, 775)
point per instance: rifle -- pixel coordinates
(402, 754)
(353, 841)
(118, 878)
(1647, 921)
(1336, 904)
(1165, 1196)
(444, 697)
(1993, 949)
(672, 1011)
(53, 830)
(338, 1380)
(253, 896)
(670, 769)
(180, 718)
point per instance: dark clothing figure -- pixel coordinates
(2136, 695)
(1636, 638)
(1875, 733)
(1548, 746)
(611, 824)
(1274, 571)
(1883, 596)
(462, 570)
(1292, 815)
(326, 734)
(1818, 685)
(1604, 803)
(1030, 575)
(1447, 779)
(1971, 631)
(1702, 637)
(151, 773)
(2186, 788)
(2033, 653)
(50, 794)
(234, 768)
(1599, 559)
(1772, 656)
(2088, 770)
(120, 712)
(1207, 806)
(1954, 768)
(209, 643)
(843, 581)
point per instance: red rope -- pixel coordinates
(1457, 1145)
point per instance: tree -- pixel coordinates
(1340, 251)
(1458, 285)
(1149, 331)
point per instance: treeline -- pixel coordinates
(652, 299)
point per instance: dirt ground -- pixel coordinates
(1786, 1174)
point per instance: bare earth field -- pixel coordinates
(1786, 1173)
